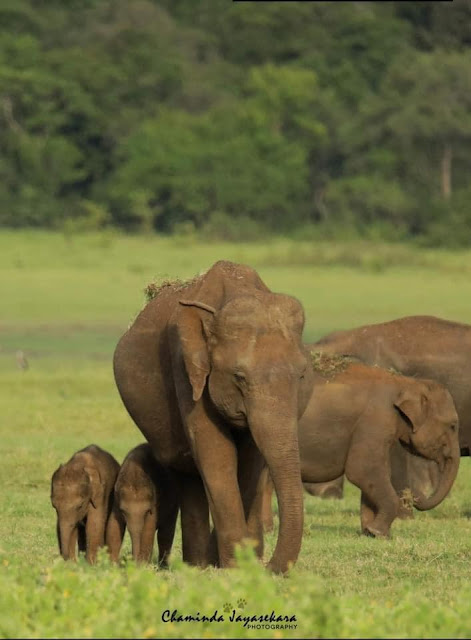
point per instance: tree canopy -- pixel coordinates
(154, 114)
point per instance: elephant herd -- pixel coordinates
(215, 374)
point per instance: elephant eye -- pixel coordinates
(239, 376)
(453, 426)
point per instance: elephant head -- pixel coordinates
(432, 433)
(73, 488)
(139, 506)
(248, 358)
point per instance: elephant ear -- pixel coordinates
(414, 407)
(56, 473)
(293, 312)
(96, 485)
(195, 325)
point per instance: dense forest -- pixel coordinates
(237, 119)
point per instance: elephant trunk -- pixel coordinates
(66, 531)
(448, 470)
(135, 530)
(276, 436)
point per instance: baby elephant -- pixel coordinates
(145, 500)
(355, 415)
(81, 494)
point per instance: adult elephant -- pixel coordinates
(422, 346)
(215, 375)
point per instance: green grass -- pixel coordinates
(65, 303)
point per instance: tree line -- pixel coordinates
(237, 119)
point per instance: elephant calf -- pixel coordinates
(145, 500)
(355, 415)
(81, 494)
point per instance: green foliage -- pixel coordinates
(363, 200)
(185, 167)
(236, 120)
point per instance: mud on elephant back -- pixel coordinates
(214, 373)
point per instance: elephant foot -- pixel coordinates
(372, 532)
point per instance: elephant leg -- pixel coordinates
(367, 513)
(215, 454)
(82, 540)
(372, 474)
(194, 520)
(252, 477)
(388, 504)
(95, 531)
(166, 528)
(218, 465)
(147, 538)
(115, 530)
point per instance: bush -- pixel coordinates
(222, 227)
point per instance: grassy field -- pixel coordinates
(65, 301)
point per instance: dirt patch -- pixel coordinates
(329, 365)
(153, 289)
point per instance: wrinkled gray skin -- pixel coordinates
(81, 494)
(145, 501)
(215, 375)
(421, 346)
